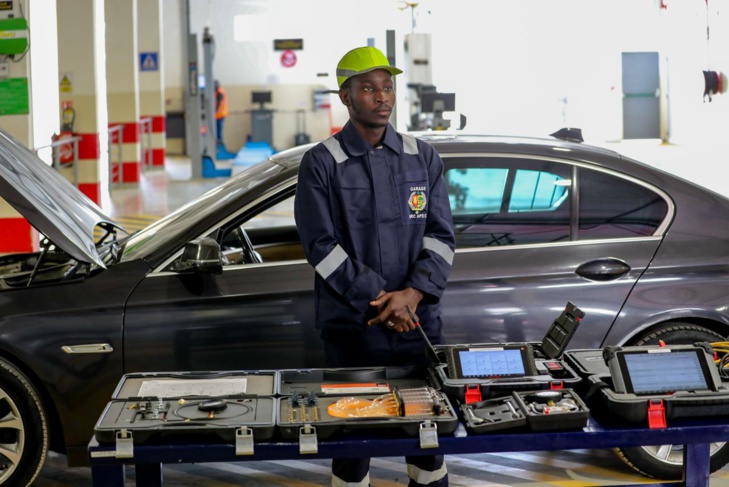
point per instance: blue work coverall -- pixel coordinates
(374, 218)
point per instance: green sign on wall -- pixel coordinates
(14, 96)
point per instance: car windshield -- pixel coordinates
(147, 239)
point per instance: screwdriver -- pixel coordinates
(431, 348)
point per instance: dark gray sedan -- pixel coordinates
(538, 222)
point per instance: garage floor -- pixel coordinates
(163, 190)
(573, 468)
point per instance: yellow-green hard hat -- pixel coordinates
(363, 60)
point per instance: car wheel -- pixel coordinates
(23, 428)
(666, 461)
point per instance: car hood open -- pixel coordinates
(53, 205)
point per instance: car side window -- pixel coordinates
(614, 207)
(509, 202)
(512, 201)
(272, 232)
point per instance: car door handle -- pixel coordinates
(88, 348)
(603, 269)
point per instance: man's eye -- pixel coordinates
(367, 88)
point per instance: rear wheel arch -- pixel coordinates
(680, 329)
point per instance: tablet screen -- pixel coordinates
(647, 373)
(492, 362)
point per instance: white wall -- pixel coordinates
(517, 66)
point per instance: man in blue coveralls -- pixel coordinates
(373, 213)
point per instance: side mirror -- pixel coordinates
(202, 255)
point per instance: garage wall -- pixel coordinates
(517, 66)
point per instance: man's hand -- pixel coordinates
(392, 310)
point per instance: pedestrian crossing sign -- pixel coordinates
(148, 61)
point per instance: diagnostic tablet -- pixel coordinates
(489, 361)
(662, 370)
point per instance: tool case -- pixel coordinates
(475, 372)
(222, 407)
(546, 373)
(387, 401)
(656, 410)
(656, 384)
(537, 410)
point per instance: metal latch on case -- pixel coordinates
(429, 435)
(308, 442)
(124, 444)
(244, 441)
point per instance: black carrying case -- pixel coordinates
(469, 390)
(151, 408)
(521, 411)
(655, 410)
(306, 394)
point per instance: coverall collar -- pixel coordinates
(356, 146)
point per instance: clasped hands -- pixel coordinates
(391, 309)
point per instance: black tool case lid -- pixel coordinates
(352, 380)
(611, 407)
(181, 384)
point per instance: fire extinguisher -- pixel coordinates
(65, 151)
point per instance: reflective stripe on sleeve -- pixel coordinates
(337, 482)
(335, 150)
(435, 245)
(409, 144)
(424, 477)
(330, 263)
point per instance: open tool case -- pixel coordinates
(654, 385)
(475, 372)
(211, 406)
(320, 403)
(538, 410)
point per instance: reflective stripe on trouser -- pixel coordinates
(351, 472)
(337, 482)
(427, 470)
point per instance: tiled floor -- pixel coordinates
(163, 190)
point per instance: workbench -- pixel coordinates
(108, 471)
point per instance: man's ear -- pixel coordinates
(344, 96)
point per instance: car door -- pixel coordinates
(534, 233)
(252, 316)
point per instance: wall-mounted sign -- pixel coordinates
(65, 82)
(148, 61)
(288, 59)
(288, 44)
(14, 96)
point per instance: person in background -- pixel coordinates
(221, 111)
(374, 217)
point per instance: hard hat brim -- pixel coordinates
(344, 76)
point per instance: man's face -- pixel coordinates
(370, 98)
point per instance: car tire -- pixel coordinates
(666, 461)
(23, 428)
